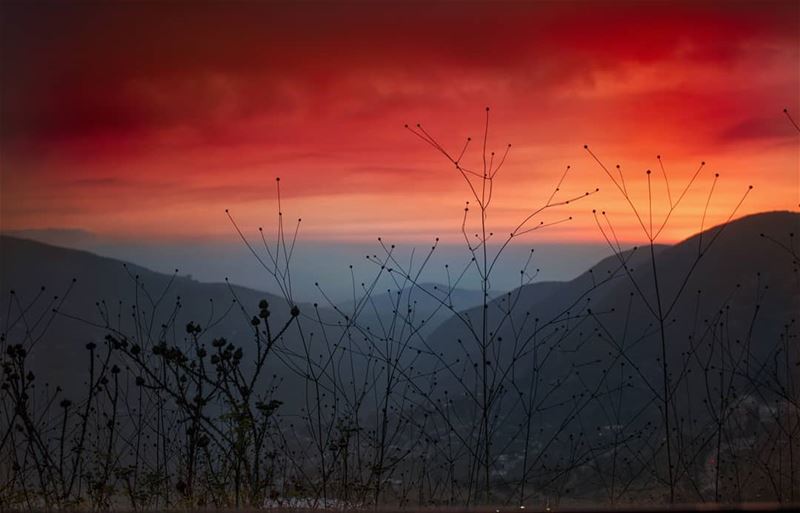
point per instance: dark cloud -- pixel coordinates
(124, 70)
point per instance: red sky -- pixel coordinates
(146, 120)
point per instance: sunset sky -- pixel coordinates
(144, 121)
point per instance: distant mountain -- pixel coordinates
(739, 296)
(106, 293)
(426, 305)
(541, 331)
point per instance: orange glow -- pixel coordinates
(146, 121)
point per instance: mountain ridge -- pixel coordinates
(26, 265)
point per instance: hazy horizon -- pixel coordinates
(325, 262)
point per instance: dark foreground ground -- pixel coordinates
(683, 508)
